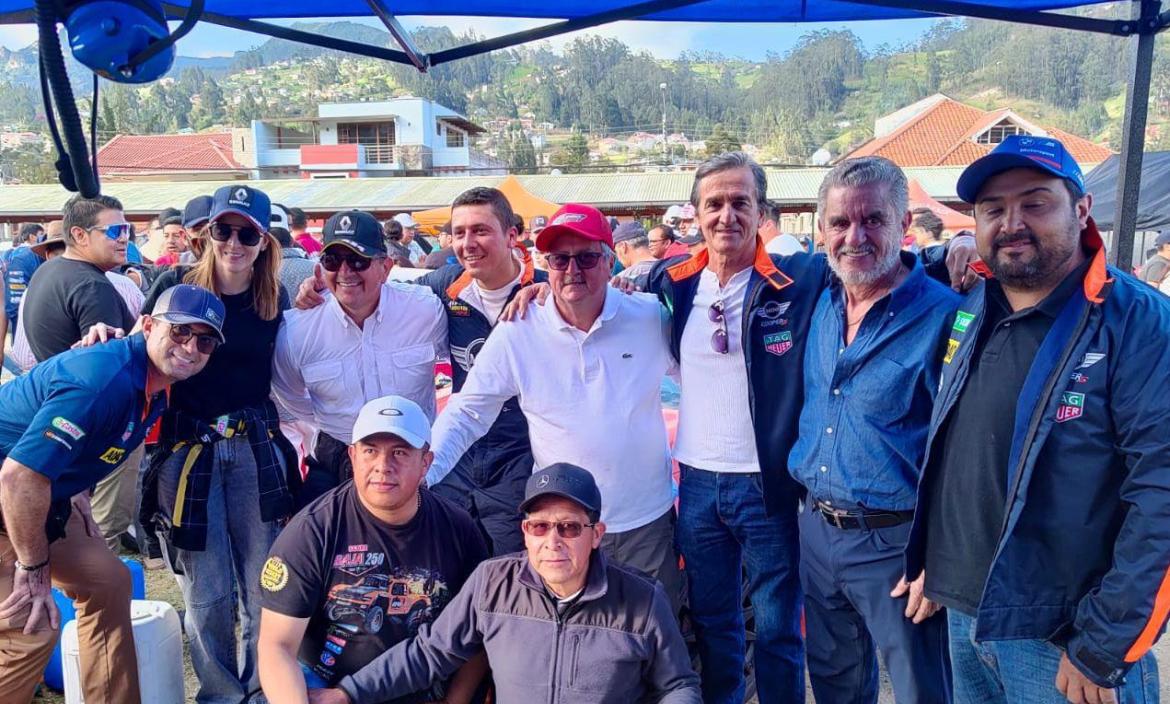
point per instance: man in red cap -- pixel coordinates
(595, 399)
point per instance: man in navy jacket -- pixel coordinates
(1043, 519)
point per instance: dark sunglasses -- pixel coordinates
(182, 334)
(332, 261)
(248, 236)
(585, 260)
(565, 529)
(115, 232)
(719, 337)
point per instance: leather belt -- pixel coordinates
(868, 520)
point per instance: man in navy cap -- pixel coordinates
(372, 338)
(67, 424)
(1157, 267)
(1042, 519)
(559, 621)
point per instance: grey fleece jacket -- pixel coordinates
(618, 643)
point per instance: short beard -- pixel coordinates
(1047, 264)
(885, 266)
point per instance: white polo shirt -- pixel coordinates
(591, 399)
(326, 367)
(715, 430)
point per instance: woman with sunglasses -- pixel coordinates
(218, 487)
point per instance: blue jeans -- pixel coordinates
(723, 529)
(998, 672)
(222, 583)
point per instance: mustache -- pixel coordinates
(1013, 238)
(863, 249)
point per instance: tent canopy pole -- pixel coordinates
(1133, 133)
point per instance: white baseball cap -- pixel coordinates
(405, 220)
(673, 213)
(394, 415)
(279, 216)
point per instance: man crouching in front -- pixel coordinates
(558, 623)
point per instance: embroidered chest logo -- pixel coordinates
(1090, 359)
(778, 343)
(772, 314)
(1072, 405)
(962, 322)
(458, 308)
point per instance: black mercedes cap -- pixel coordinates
(567, 481)
(357, 230)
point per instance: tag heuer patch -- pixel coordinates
(778, 343)
(1072, 405)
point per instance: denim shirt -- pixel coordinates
(867, 405)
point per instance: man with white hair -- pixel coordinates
(871, 371)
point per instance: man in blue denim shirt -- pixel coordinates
(871, 373)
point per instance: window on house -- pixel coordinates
(455, 138)
(438, 128)
(999, 132)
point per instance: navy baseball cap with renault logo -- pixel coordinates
(567, 481)
(1020, 151)
(245, 201)
(356, 230)
(186, 304)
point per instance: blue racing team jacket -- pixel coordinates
(1083, 558)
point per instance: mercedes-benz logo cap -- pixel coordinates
(393, 415)
(186, 304)
(567, 481)
(356, 230)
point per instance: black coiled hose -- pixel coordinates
(74, 153)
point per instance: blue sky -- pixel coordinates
(663, 39)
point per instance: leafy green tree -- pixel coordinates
(722, 141)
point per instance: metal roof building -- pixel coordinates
(623, 193)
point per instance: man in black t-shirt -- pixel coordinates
(71, 293)
(365, 565)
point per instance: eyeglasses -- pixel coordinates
(332, 261)
(182, 334)
(719, 337)
(565, 529)
(248, 236)
(114, 232)
(585, 260)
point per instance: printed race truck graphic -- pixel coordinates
(375, 597)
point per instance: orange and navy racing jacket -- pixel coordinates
(1083, 558)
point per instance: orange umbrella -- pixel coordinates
(523, 203)
(953, 220)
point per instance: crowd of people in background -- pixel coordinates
(946, 450)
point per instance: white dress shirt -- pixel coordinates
(326, 367)
(715, 430)
(590, 398)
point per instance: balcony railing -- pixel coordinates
(380, 153)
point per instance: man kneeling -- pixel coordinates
(558, 624)
(365, 565)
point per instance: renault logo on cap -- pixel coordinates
(240, 197)
(389, 412)
(345, 225)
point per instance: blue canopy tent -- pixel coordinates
(1146, 19)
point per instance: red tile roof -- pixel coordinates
(943, 134)
(128, 154)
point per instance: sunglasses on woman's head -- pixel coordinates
(248, 235)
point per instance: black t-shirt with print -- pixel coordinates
(365, 585)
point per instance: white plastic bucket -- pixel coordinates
(158, 641)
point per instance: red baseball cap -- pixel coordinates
(575, 219)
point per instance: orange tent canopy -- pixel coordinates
(953, 220)
(523, 203)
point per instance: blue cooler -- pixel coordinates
(54, 676)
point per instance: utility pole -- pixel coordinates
(665, 152)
